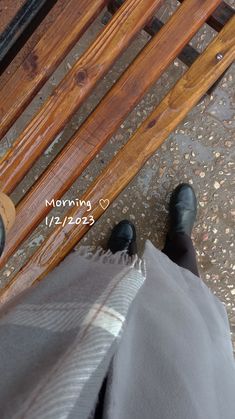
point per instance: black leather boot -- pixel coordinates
(123, 237)
(183, 210)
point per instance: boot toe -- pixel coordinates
(122, 237)
(183, 209)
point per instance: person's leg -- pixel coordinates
(182, 211)
(180, 250)
(99, 409)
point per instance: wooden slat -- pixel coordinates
(129, 160)
(45, 57)
(99, 126)
(220, 16)
(8, 10)
(21, 24)
(189, 54)
(73, 90)
(34, 38)
(217, 20)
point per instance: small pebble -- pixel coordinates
(7, 272)
(216, 185)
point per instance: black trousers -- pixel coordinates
(180, 250)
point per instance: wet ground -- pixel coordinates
(200, 151)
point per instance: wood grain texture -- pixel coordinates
(220, 17)
(73, 90)
(217, 20)
(129, 160)
(44, 58)
(26, 35)
(99, 127)
(34, 38)
(8, 10)
(21, 25)
(188, 55)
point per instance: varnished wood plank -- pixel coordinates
(217, 20)
(44, 58)
(188, 54)
(34, 38)
(99, 126)
(129, 160)
(73, 90)
(8, 9)
(19, 28)
(220, 16)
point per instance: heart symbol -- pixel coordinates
(104, 203)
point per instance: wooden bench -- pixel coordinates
(168, 41)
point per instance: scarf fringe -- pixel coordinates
(98, 254)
